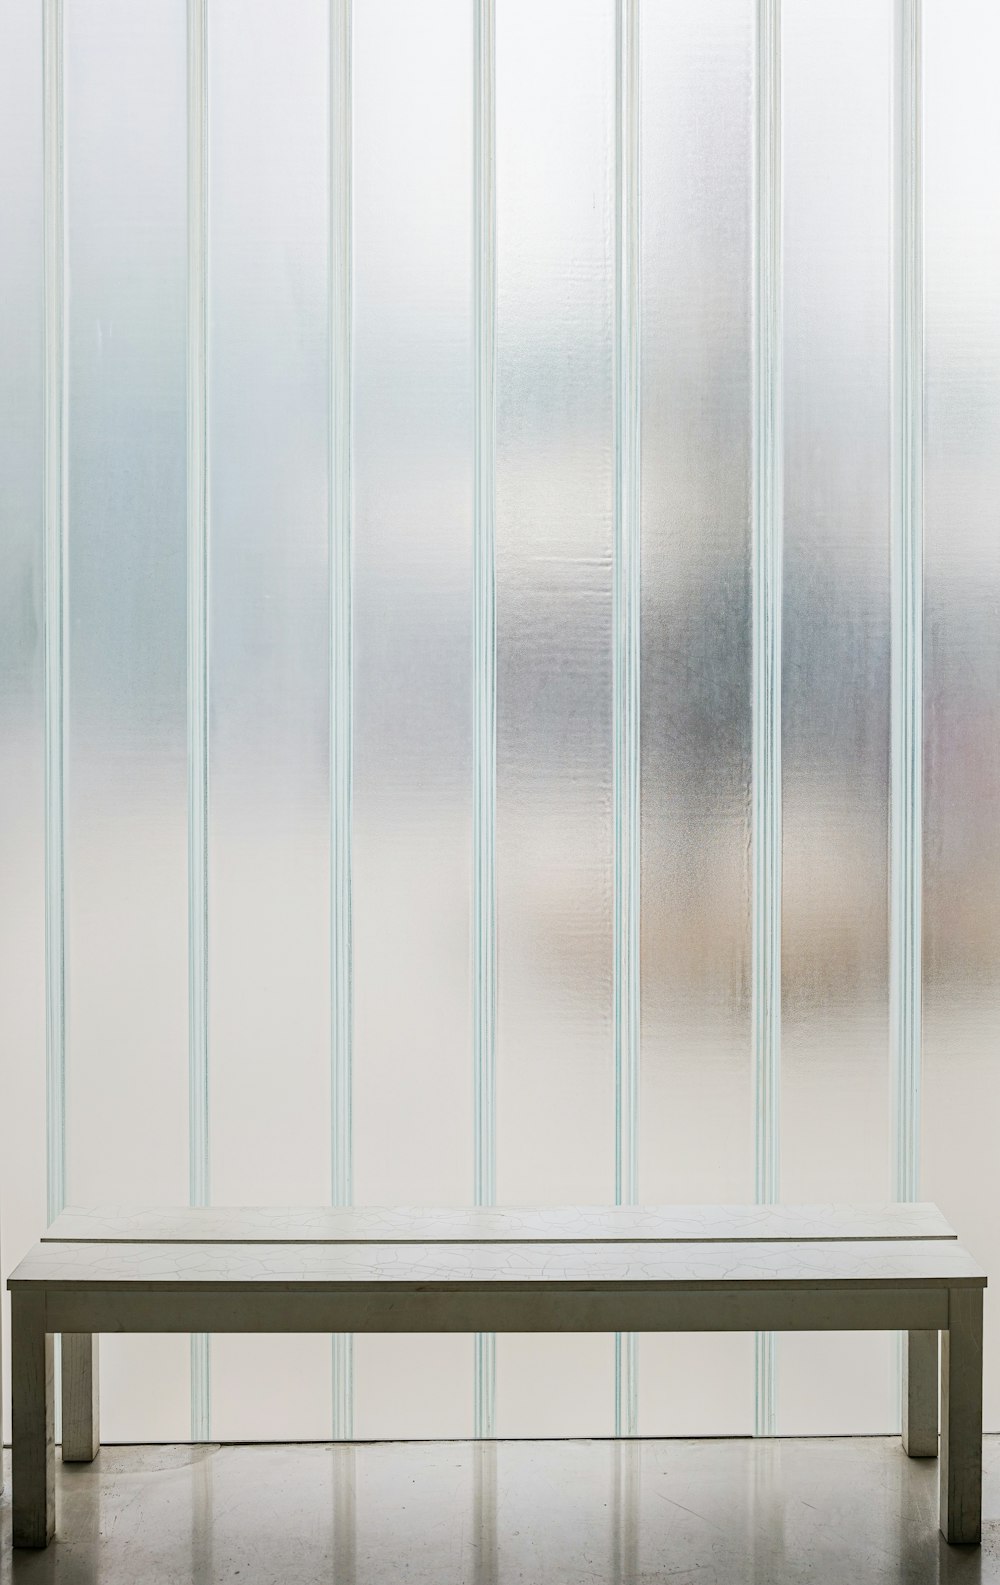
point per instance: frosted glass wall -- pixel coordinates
(961, 1075)
(391, 504)
(696, 1098)
(413, 697)
(124, 587)
(268, 660)
(554, 502)
(22, 593)
(835, 683)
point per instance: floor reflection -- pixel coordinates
(625, 1512)
(732, 1512)
(202, 1521)
(765, 1519)
(484, 1520)
(345, 1547)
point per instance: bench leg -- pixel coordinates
(81, 1423)
(962, 1416)
(32, 1415)
(920, 1394)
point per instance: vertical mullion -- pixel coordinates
(55, 554)
(341, 657)
(484, 655)
(197, 680)
(767, 557)
(625, 749)
(907, 606)
(906, 556)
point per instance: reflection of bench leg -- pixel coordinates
(81, 1424)
(962, 1416)
(920, 1394)
(32, 1455)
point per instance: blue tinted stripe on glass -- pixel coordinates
(55, 518)
(341, 658)
(625, 750)
(906, 551)
(767, 539)
(907, 606)
(484, 648)
(197, 623)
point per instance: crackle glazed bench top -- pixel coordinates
(701, 1266)
(569, 1225)
(678, 1247)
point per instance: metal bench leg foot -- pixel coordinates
(33, 1455)
(962, 1417)
(81, 1423)
(920, 1394)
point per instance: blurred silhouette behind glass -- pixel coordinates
(124, 826)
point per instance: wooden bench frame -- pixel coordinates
(680, 1269)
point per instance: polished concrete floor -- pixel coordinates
(690, 1513)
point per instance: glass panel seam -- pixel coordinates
(341, 658)
(56, 630)
(625, 731)
(484, 656)
(197, 661)
(767, 596)
(907, 606)
(906, 556)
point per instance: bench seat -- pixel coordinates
(219, 1224)
(685, 1268)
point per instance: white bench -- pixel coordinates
(646, 1269)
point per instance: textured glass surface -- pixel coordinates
(268, 906)
(413, 659)
(961, 1081)
(835, 1094)
(128, 344)
(555, 283)
(696, 1113)
(126, 1107)
(22, 950)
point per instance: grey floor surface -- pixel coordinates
(688, 1512)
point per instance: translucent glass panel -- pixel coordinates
(22, 938)
(268, 623)
(961, 1078)
(554, 484)
(269, 226)
(835, 1092)
(696, 1119)
(126, 783)
(413, 661)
